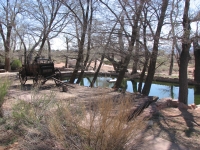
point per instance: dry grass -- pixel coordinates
(104, 126)
(101, 125)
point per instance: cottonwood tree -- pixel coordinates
(136, 51)
(105, 47)
(131, 37)
(174, 13)
(116, 47)
(67, 41)
(152, 65)
(81, 10)
(9, 12)
(28, 39)
(184, 57)
(49, 19)
(196, 48)
(146, 51)
(89, 34)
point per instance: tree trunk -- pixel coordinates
(66, 60)
(7, 61)
(7, 54)
(131, 45)
(97, 71)
(184, 57)
(145, 50)
(88, 65)
(49, 49)
(79, 62)
(183, 80)
(120, 39)
(42, 44)
(151, 69)
(6, 42)
(171, 59)
(88, 46)
(135, 58)
(102, 57)
(95, 64)
(197, 60)
(173, 34)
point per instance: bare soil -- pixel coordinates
(169, 128)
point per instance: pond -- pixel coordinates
(160, 89)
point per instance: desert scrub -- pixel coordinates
(32, 112)
(98, 124)
(4, 85)
(103, 125)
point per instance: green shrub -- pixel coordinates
(4, 85)
(32, 112)
(16, 64)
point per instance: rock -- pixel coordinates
(163, 103)
(192, 106)
(174, 103)
(150, 123)
(64, 88)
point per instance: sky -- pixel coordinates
(59, 42)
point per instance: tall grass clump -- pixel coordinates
(4, 85)
(29, 117)
(101, 126)
(32, 112)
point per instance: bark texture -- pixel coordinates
(184, 57)
(152, 66)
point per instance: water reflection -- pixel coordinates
(160, 89)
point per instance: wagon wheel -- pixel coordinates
(37, 80)
(22, 76)
(57, 76)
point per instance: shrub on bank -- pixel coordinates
(16, 64)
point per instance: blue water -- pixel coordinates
(162, 90)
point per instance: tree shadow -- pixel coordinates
(165, 129)
(189, 120)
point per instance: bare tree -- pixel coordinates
(173, 21)
(196, 48)
(184, 57)
(83, 20)
(88, 43)
(131, 38)
(105, 48)
(9, 13)
(151, 69)
(136, 52)
(146, 51)
(49, 20)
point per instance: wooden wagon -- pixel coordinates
(39, 71)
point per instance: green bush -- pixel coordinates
(16, 64)
(4, 85)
